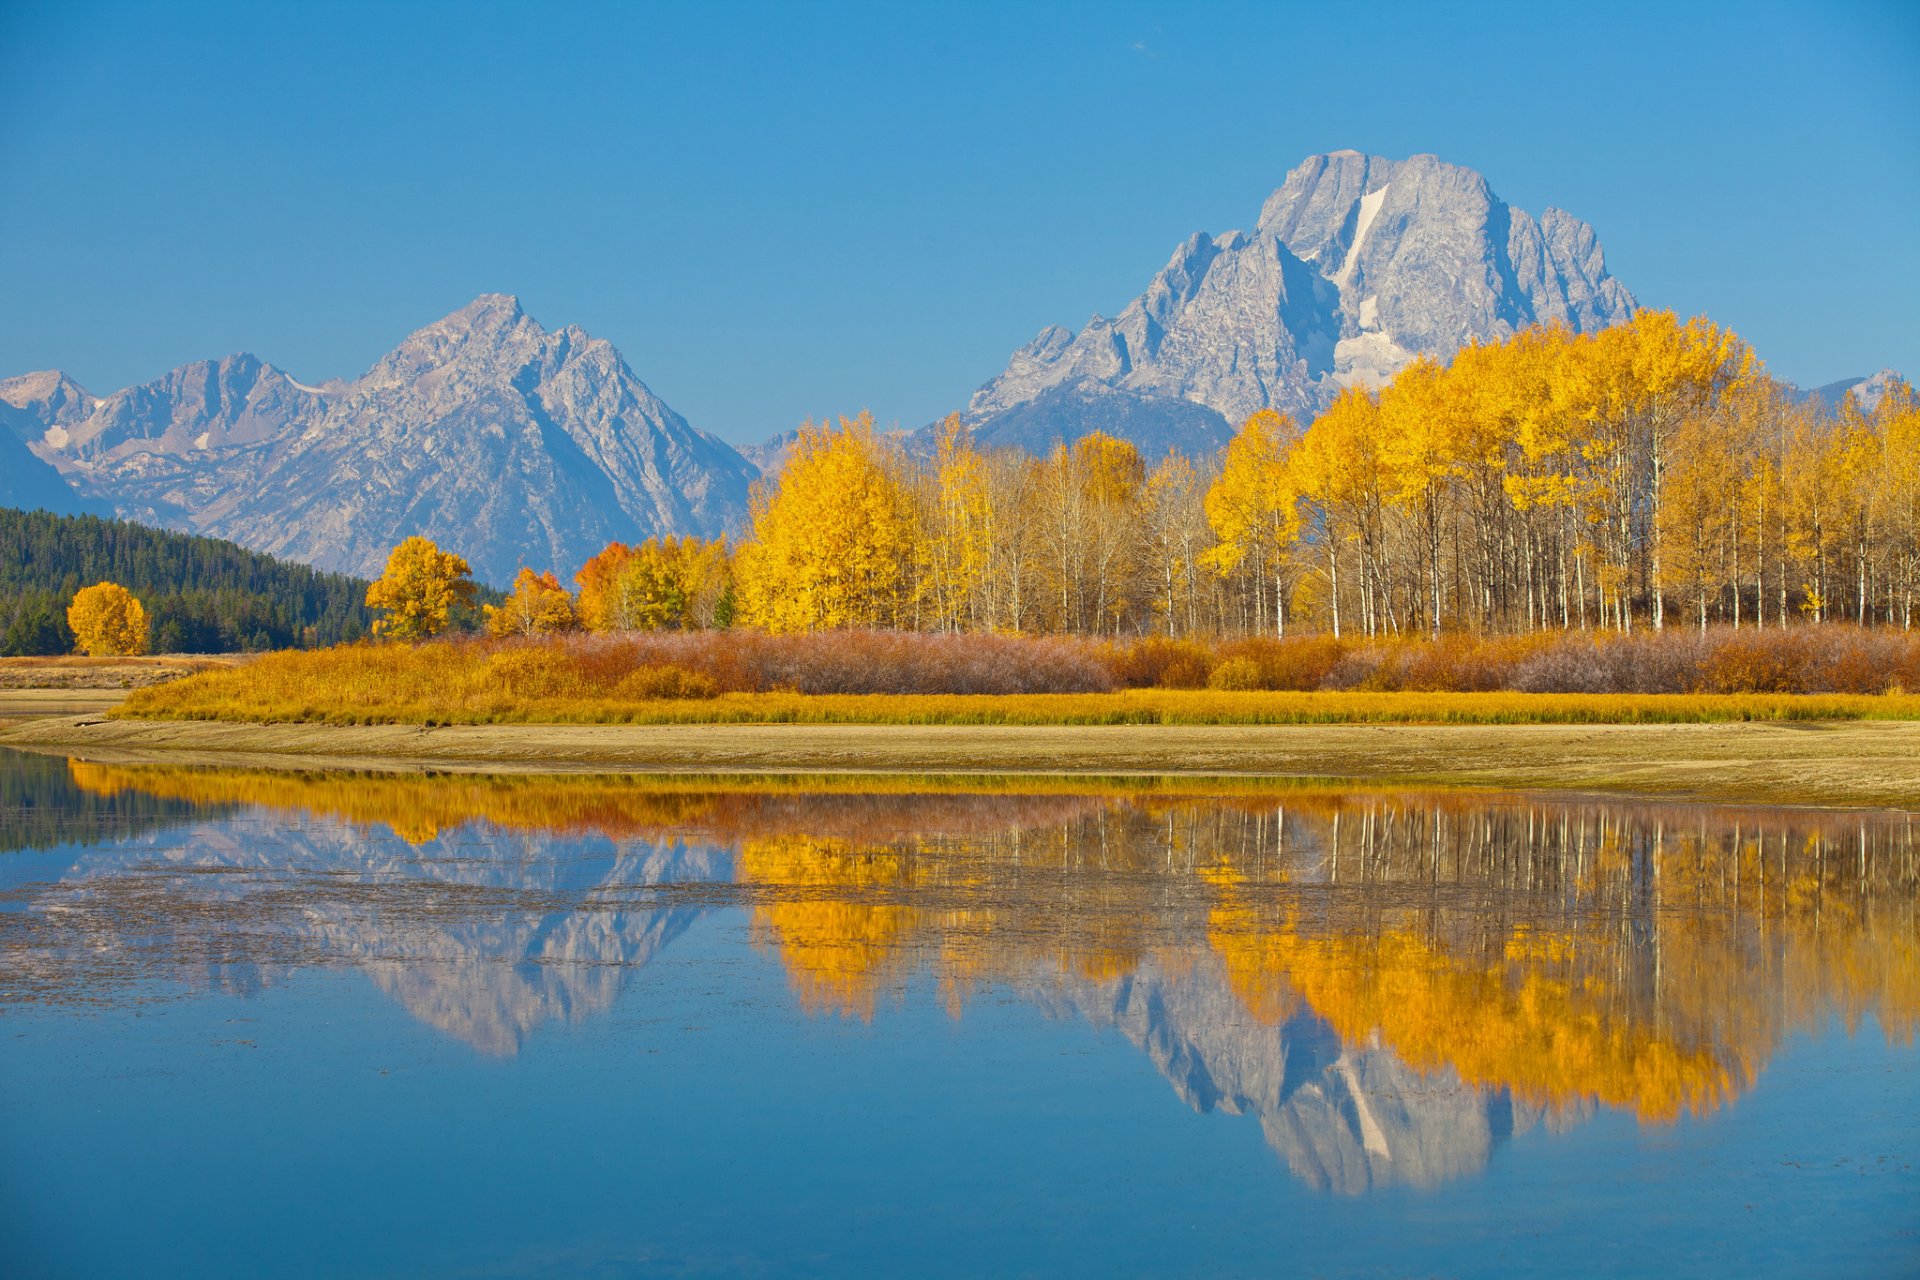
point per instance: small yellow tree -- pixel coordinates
(107, 621)
(421, 585)
(539, 604)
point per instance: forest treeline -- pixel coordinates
(201, 595)
(1644, 476)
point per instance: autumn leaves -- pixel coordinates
(1632, 477)
(107, 621)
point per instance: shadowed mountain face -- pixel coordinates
(1392, 986)
(30, 484)
(1357, 265)
(484, 431)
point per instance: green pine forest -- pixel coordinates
(203, 595)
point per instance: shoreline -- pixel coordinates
(1848, 764)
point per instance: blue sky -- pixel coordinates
(788, 210)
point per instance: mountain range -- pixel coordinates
(515, 444)
(484, 431)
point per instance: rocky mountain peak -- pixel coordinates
(1356, 265)
(34, 403)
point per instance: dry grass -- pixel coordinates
(77, 672)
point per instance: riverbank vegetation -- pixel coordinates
(1832, 671)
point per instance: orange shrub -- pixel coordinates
(665, 682)
(1236, 675)
(1158, 662)
(1298, 662)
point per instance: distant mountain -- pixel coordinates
(1866, 391)
(1357, 265)
(484, 431)
(769, 457)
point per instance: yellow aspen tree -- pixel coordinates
(1857, 462)
(1253, 509)
(833, 541)
(669, 583)
(1175, 534)
(1010, 589)
(1422, 434)
(107, 620)
(537, 605)
(1115, 478)
(1336, 467)
(1669, 370)
(953, 554)
(1898, 416)
(1694, 516)
(418, 590)
(1818, 507)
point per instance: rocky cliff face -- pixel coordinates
(484, 431)
(1357, 265)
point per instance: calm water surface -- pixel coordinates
(405, 1025)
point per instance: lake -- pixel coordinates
(407, 1025)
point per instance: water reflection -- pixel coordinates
(1391, 983)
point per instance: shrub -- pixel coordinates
(533, 671)
(1750, 664)
(1298, 662)
(1237, 675)
(665, 682)
(1158, 662)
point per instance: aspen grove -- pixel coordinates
(1649, 475)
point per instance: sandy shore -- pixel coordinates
(34, 704)
(1860, 763)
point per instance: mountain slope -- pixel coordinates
(1357, 265)
(32, 485)
(493, 436)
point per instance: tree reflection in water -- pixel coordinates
(1391, 982)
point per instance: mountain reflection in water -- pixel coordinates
(1390, 982)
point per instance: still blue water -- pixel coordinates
(404, 1026)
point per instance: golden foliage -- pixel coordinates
(538, 605)
(833, 540)
(664, 583)
(107, 621)
(419, 590)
